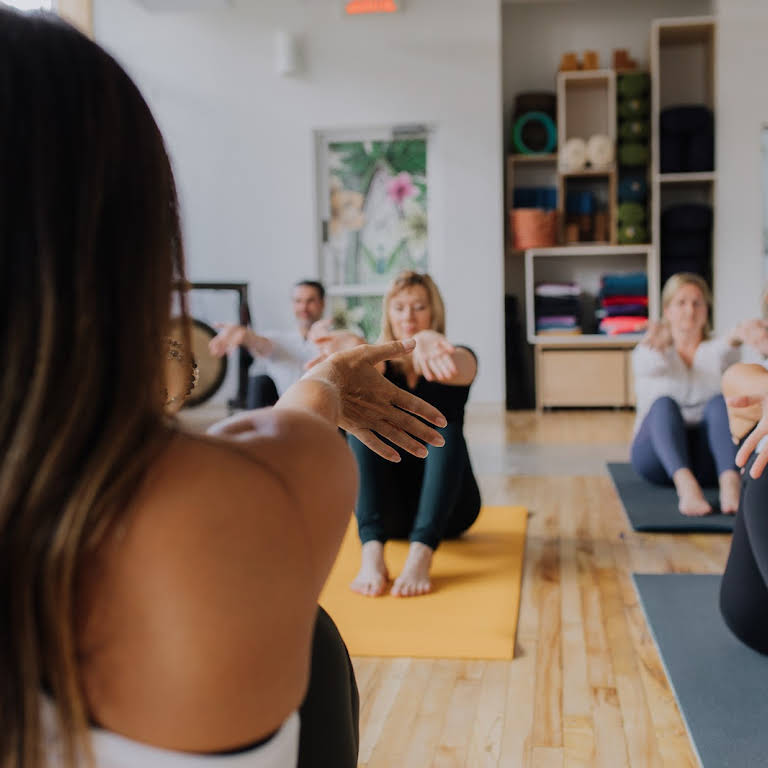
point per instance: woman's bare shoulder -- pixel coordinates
(206, 594)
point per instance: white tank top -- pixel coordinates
(113, 751)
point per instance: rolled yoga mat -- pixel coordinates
(718, 681)
(471, 612)
(654, 507)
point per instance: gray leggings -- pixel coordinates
(665, 443)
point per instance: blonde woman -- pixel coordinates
(423, 501)
(681, 431)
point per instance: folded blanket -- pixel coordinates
(614, 326)
(623, 310)
(633, 284)
(556, 305)
(558, 289)
(609, 301)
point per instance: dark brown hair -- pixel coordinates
(90, 248)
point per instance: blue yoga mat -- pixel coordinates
(720, 684)
(653, 508)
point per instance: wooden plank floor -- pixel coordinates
(587, 687)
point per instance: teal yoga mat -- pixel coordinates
(720, 684)
(653, 508)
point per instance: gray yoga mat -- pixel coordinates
(654, 507)
(720, 684)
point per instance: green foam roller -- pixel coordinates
(631, 109)
(632, 234)
(633, 154)
(634, 130)
(631, 213)
(633, 85)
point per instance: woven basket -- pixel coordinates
(533, 228)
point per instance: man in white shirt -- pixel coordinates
(284, 353)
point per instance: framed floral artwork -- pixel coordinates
(374, 197)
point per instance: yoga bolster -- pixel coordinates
(633, 189)
(630, 109)
(600, 150)
(633, 154)
(634, 130)
(574, 155)
(686, 120)
(544, 138)
(687, 217)
(631, 234)
(632, 213)
(633, 85)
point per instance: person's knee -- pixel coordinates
(665, 405)
(715, 405)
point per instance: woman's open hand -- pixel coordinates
(755, 436)
(372, 404)
(433, 356)
(658, 336)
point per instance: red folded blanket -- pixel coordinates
(612, 301)
(629, 324)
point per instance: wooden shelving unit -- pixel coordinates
(682, 56)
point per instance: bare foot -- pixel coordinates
(691, 500)
(730, 491)
(414, 579)
(373, 575)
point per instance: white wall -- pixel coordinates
(241, 137)
(742, 109)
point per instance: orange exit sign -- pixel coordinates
(359, 7)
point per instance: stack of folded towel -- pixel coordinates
(558, 309)
(623, 303)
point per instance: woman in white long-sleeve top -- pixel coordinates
(681, 432)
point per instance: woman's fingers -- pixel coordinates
(367, 438)
(743, 401)
(749, 445)
(413, 426)
(402, 439)
(759, 465)
(314, 361)
(379, 353)
(416, 405)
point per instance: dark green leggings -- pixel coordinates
(424, 500)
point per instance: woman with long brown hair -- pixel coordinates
(157, 590)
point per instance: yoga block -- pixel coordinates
(591, 60)
(633, 154)
(569, 62)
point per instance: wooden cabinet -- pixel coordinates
(584, 377)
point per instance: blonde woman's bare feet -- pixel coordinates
(691, 499)
(373, 577)
(414, 579)
(730, 491)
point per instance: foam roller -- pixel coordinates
(600, 151)
(573, 156)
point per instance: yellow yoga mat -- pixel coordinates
(471, 612)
